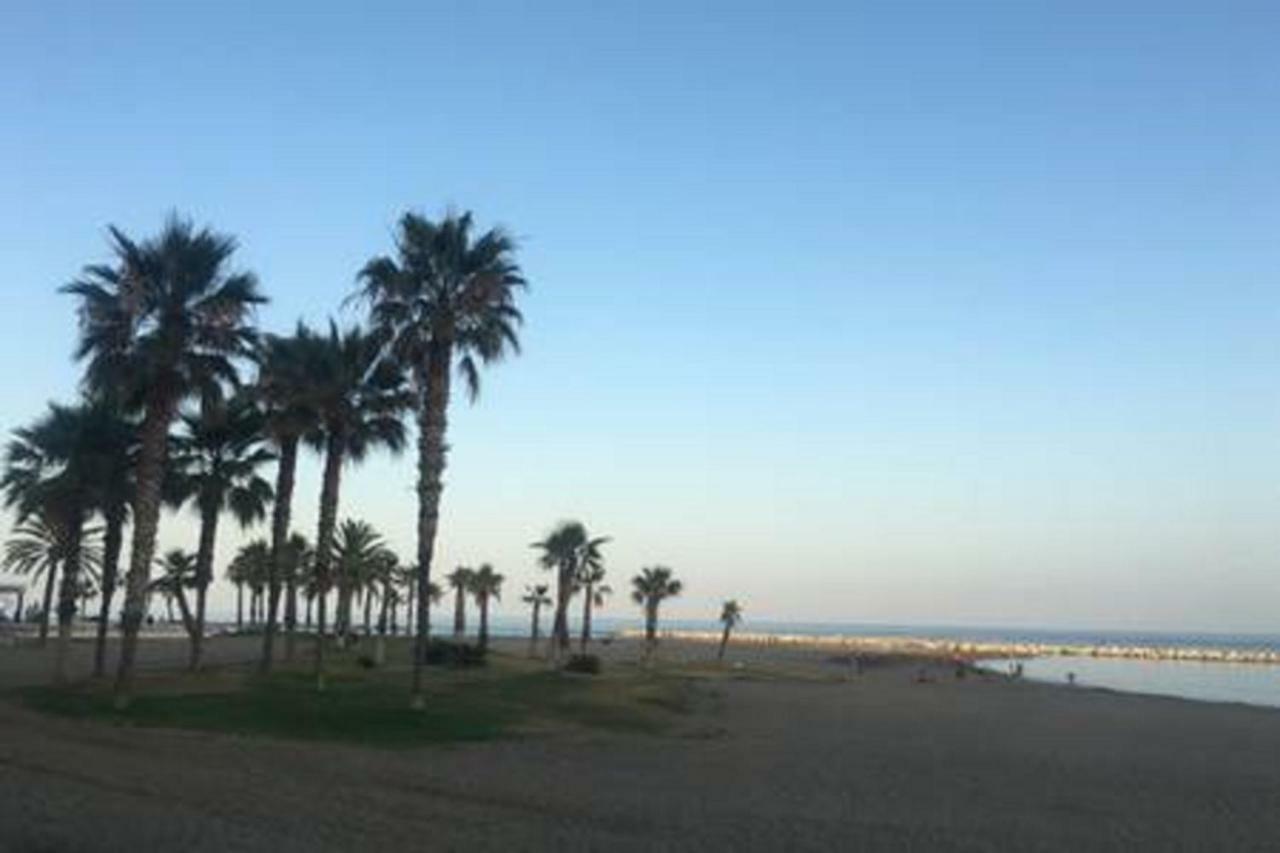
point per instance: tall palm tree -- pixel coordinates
(59, 466)
(37, 546)
(595, 591)
(460, 582)
(649, 589)
(730, 616)
(486, 584)
(358, 398)
(215, 462)
(284, 391)
(566, 550)
(448, 297)
(162, 324)
(178, 573)
(536, 597)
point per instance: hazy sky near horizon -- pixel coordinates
(912, 312)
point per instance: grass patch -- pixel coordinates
(371, 707)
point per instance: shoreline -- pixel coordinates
(933, 648)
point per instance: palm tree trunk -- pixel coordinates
(368, 612)
(67, 594)
(112, 544)
(564, 591)
(432, 422)
(410, 602)
(586, 618)
(239, 606)
(184, 609)
(533, 632)
(329, 489)
(285, 470)
(460, 613)
(310, 600)
(724, 641)
(154, 441)
(204, 575)
(47, 610)
(484, 621)
(290, 617)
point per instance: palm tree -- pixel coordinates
(358, 397)
(284, 390)
(595, 591)
(460, 582)
(160, 325)
(294, 571)
(486, 584)
(358, 550)
(566, 550)
(386, 575)
(178, 573)
(60, 466)
(448, 297)
(730, 616)
(537, 598)
(215, 463)
(37, 546)
(250, 564)
(649, 589)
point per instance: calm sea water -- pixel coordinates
(1253, 684)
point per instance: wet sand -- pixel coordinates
(872, 762)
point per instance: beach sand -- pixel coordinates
(807, 761)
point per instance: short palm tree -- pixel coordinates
(61, 466)
(178, 573)
(293, 571)
(486, 584)
(358, 398)
(460, 582)
(386, 574)
(38, 546)
(247, 569)
(162, 324)
(591, 578)
(357, 552)
(215, 462)
(447, 299)
(536, 597)
(283, 392)
(649, 589)
(730, 616)
(566, 550)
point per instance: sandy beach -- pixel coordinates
(874, 762)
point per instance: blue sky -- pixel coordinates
(882, 312)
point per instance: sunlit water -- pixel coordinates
(1253, 684)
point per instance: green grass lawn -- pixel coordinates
(510, 697)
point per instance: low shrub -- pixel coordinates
(366, 662)
(588, 664)
(455, 655)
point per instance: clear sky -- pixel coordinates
(903, 312)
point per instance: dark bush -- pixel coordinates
(366, 662)
(588, 664)
(455, 655)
